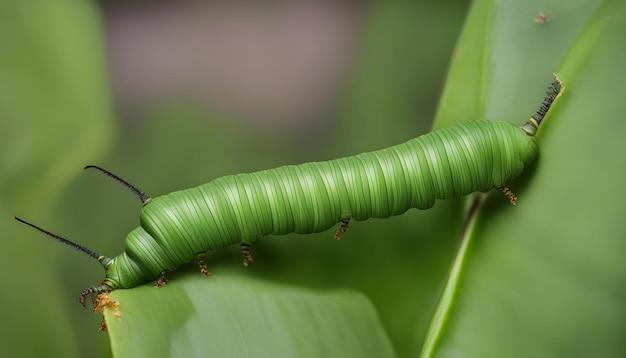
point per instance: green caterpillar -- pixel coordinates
(313, 197)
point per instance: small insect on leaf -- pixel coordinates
(103, 326)
(104, 302)
(541, 18)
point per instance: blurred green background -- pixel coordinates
(171, 96)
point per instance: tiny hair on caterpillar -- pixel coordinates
(313, 197)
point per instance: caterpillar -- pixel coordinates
(313, 197)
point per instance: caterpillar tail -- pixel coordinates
(555, 91)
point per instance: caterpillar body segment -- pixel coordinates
(314, 197)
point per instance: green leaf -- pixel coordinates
(233, 315)
(546, 278)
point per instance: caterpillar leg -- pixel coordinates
(161, 280)
(93, 291)
(508, 193)
(202, 263)
(247, 257)
(342, 228)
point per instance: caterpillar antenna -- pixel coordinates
(145, 198)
